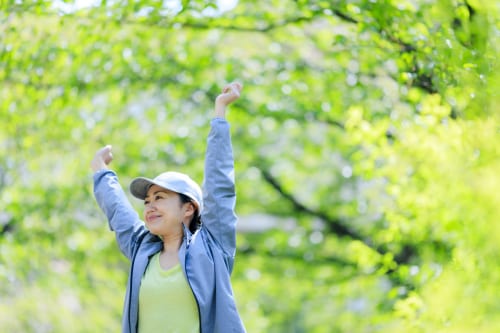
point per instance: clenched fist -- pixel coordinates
(102, 158)
(230, 93)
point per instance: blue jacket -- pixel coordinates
(206, 256)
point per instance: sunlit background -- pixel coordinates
(366, 143)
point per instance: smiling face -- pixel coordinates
(164, 212)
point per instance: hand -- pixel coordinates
(102, 158)
(230, 93)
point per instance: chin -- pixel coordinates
(154, 230)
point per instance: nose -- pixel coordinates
(149, 206)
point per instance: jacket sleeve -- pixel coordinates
(219, 196)
(122, 217)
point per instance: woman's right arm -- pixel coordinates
(122, 217)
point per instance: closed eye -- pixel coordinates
(158, 195)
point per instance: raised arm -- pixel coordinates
(122, 217)
(219, 196)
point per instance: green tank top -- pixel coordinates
(166, 302)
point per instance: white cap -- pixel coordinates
(171, 180)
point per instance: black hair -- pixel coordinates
(195, 222)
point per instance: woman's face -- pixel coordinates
(163, 211)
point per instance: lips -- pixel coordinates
(152, 217)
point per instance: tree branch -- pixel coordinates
(321, 260)
(336, 225)
(408, 253)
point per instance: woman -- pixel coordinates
(182, 254)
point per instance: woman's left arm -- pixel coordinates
(219, 195)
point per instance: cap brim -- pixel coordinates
(139, 187)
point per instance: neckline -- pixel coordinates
(168, 270)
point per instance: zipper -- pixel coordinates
(131, 280)
(187, 241)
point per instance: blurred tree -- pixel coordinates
(366, 145)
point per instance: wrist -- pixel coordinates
(220, 110)
(98, 166)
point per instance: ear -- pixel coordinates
(190, 209)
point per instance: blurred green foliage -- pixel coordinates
(366, 141)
